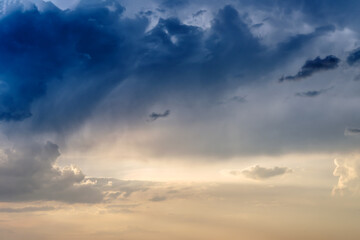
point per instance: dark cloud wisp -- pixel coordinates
(154, 116)
(313, 66)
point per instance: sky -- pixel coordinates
(179, 119)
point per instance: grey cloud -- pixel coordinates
(29, 173)
(260, 173)
(313, 66)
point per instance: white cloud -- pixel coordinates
(348, 172)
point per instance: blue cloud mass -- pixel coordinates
(57, 66)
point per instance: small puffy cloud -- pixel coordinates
(348, 171)
(313, 66)
(154, 116)
(261, 173)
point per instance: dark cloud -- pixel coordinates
(63, 49)
(154, 116)
(313, 66)
(353, 57)
(260, 173)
